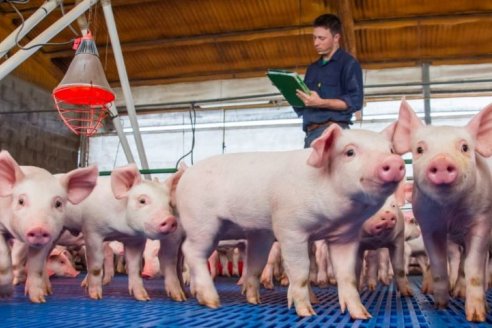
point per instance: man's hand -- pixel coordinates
(312, 100)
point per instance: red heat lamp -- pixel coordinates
(84, 96)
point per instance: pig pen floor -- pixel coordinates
(70, 307)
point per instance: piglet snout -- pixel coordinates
(392, 169)
(168, 225)
(442, 171)
(389, 219)
(38, 236)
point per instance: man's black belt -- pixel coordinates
(326, 124)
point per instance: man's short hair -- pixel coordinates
(329, 21)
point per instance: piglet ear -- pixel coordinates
(480, 127)
(79, 183)
(389, 131)
(321, 146)
(10, 173)
(173, 180)
(407, 123)
(123, 179)
(55, 252)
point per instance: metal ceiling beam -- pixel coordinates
(125, 84)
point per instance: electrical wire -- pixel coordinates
(192, 114)
(62, 9)
(12, 4)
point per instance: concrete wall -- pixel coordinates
(31, 130)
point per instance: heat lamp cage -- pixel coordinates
(83, 97)
(83, 108)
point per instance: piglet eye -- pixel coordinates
(350, 153)
(420, 150)
(464, 148)
(58, 204)
(142, 201)
(21, 201)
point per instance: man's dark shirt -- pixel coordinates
(339, 78)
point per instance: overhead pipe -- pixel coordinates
(125, 85)
(21, 55)
(11, 41)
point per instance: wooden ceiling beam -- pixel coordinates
(454, 19)
(211, 75)
(202, 39)
(345, 14)
(259, 72)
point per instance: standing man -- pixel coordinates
(335, 81)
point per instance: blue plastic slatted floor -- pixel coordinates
(70, 307)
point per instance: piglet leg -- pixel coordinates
(133, 254)
(343, 257)
(6, 275)
(36, 286)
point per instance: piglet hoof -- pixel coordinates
(266, 281)
(358, 312)
(95, 293)
(176, 294)
(19, 280)
(475, 309)
(240, 282)
(210, 302)
(267, 284)
(305, 310)
(84, 283)
(284, 281)
(371, 286)
(253, 300)
(476, 314)
(459, 291)
(252, 295)
(36, 295)
(141, 295)
(48, 290)
(426, 288)
(386, 281)
(405, 291)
